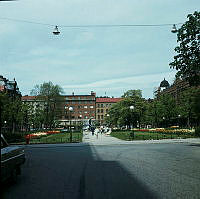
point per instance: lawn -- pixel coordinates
(58, 138)
(126, 135)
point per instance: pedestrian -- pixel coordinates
(102, 129)
(92, 129)
(96, 132)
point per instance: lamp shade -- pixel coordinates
(56, 31)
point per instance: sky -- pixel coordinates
(106, 60)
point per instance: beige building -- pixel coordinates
(102, 107)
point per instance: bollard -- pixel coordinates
(28, 139)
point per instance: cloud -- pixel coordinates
(84, 37)
(142, 82)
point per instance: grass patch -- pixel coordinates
(53, 138)
(126, 135)
(58, 138)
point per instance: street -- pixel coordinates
(165, 170)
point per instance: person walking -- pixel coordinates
(96, 132)
(92, 130)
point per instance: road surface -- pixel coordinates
(89, 171)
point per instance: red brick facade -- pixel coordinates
(83, 106)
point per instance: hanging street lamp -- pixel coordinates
(56, 31)
(174, 29)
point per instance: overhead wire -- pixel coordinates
(91, 25)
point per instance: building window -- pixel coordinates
(101, 105)
(98, 117)
(102, 117)
(98, 110)
(85, 106)
(101, 110)
(85, 112)
(91, 106)
(98, 105)
(106, 110)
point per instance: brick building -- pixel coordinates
(83, 108)
(102, 106)
(9, 87)
(174, 90)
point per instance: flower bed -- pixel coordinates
(167, 131)
(40, 134)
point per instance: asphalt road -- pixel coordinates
(109, 172)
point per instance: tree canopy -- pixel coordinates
(187, 60)
(48, 94)
(132, 93)
(47, 89)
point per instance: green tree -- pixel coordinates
(189, 106)
(4, 101)
(50, 95)
(187, 60)
(132, 93)
(167, 109)
(120, 113)
(162, 111)
(152, 113)
(12, 112)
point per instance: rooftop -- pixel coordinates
(26, 97)
(107, 100)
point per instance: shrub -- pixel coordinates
(14, 137)
(197, 132)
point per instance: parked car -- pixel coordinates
(12, 157)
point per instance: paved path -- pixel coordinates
(103, 139)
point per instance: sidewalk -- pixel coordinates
(103, 139)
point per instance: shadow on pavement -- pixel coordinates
(74, 172)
